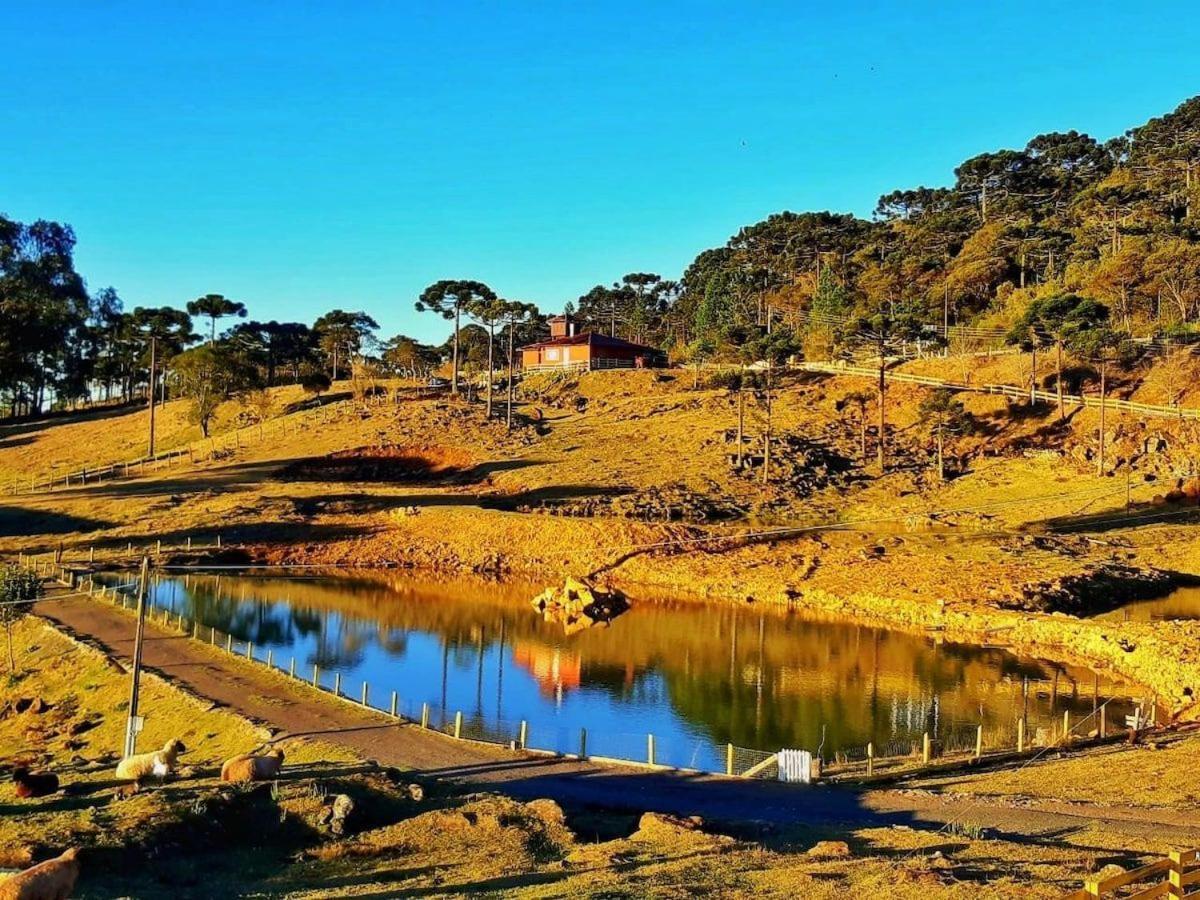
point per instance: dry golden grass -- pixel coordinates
(1159, 772)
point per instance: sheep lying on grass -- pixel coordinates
(34, 784)
(248, 767)
(52, 880)
(158, 764)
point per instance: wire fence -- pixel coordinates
(1113, 404)
(961, 742)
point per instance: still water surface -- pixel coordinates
(696, 676)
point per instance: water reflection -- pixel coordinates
(1181, 603)
(696, 676)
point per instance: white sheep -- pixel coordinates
(158, 764)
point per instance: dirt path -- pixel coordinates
(298, 711)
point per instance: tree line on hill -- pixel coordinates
(1022, 240)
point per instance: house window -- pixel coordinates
(551, 353)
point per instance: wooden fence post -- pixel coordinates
(1175, 875)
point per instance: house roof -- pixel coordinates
(590, 338)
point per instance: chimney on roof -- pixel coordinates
(562, 326)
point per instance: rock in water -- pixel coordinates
(578, 605)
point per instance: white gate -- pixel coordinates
(795, 766)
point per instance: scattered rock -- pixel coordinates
(548, 811)
(336, 813)
(829, 850)
(654, 825)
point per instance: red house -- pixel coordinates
(590, 350)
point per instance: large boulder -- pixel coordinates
(578, 605)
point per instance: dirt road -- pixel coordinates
(298, 711)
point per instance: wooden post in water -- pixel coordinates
(395, 703)
(337, 684)
(316, 676)
(925, 748)
(458, 725)
(583, 743)
(250, 650)
(270, 659)
(523, 734)
(979, 742)
(424, 715)
(650, 749)
(364, 695)
(229, 643)
(870, 758)
(292, 668)
(729, 759)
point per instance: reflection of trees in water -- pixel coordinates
(250, 620)
(736, 674)
(340, 643)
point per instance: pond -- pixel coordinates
(1181, 603)
(696, 676)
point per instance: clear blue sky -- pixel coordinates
(302, 156)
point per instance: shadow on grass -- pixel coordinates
(18, 522)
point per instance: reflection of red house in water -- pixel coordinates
(590, 350)
(553, 670)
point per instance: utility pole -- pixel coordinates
(134, 723)
(153, 363)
